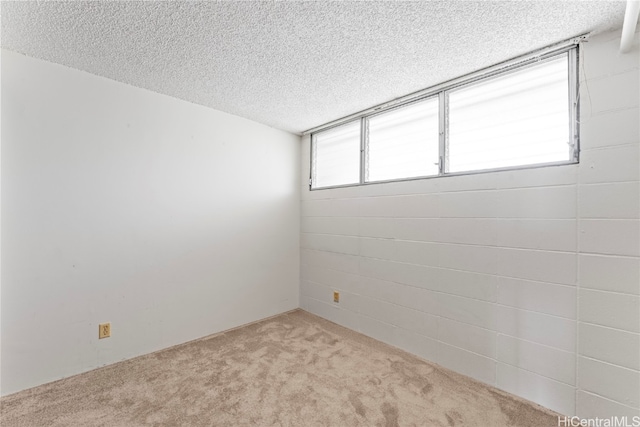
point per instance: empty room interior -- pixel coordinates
(327, 213)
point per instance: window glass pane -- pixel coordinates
(336, 156)
(520, 118)
(403, 143)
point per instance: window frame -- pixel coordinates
(365, 139)
(313, 150)
(441, 92)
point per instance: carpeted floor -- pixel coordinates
(295, 369)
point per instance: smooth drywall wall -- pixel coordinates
(170, 220)
(528, 280)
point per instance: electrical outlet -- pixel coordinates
(104, 330)
(336, 296)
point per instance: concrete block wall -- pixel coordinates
(527, 280)
(608, 358)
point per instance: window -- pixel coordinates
(520, 118)
(336, 156)
(403, 143)
(519, 115)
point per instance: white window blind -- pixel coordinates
(519, 118)
(336, 156)
(404, 142)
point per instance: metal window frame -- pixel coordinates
(443, 118)
(313, 151)
(312, 160)
(364, 149)
(572, 55)
(570, 48)
(384, 111)
(574, 102)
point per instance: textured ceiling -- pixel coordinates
(292, 65)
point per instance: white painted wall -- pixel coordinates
(526, 280)
(170, 220)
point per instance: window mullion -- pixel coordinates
(312, 164)
(574, 130)
(364, 135)
(442, 132)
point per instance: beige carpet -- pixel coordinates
(291, 370)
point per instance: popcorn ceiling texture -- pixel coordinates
(292, 65)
